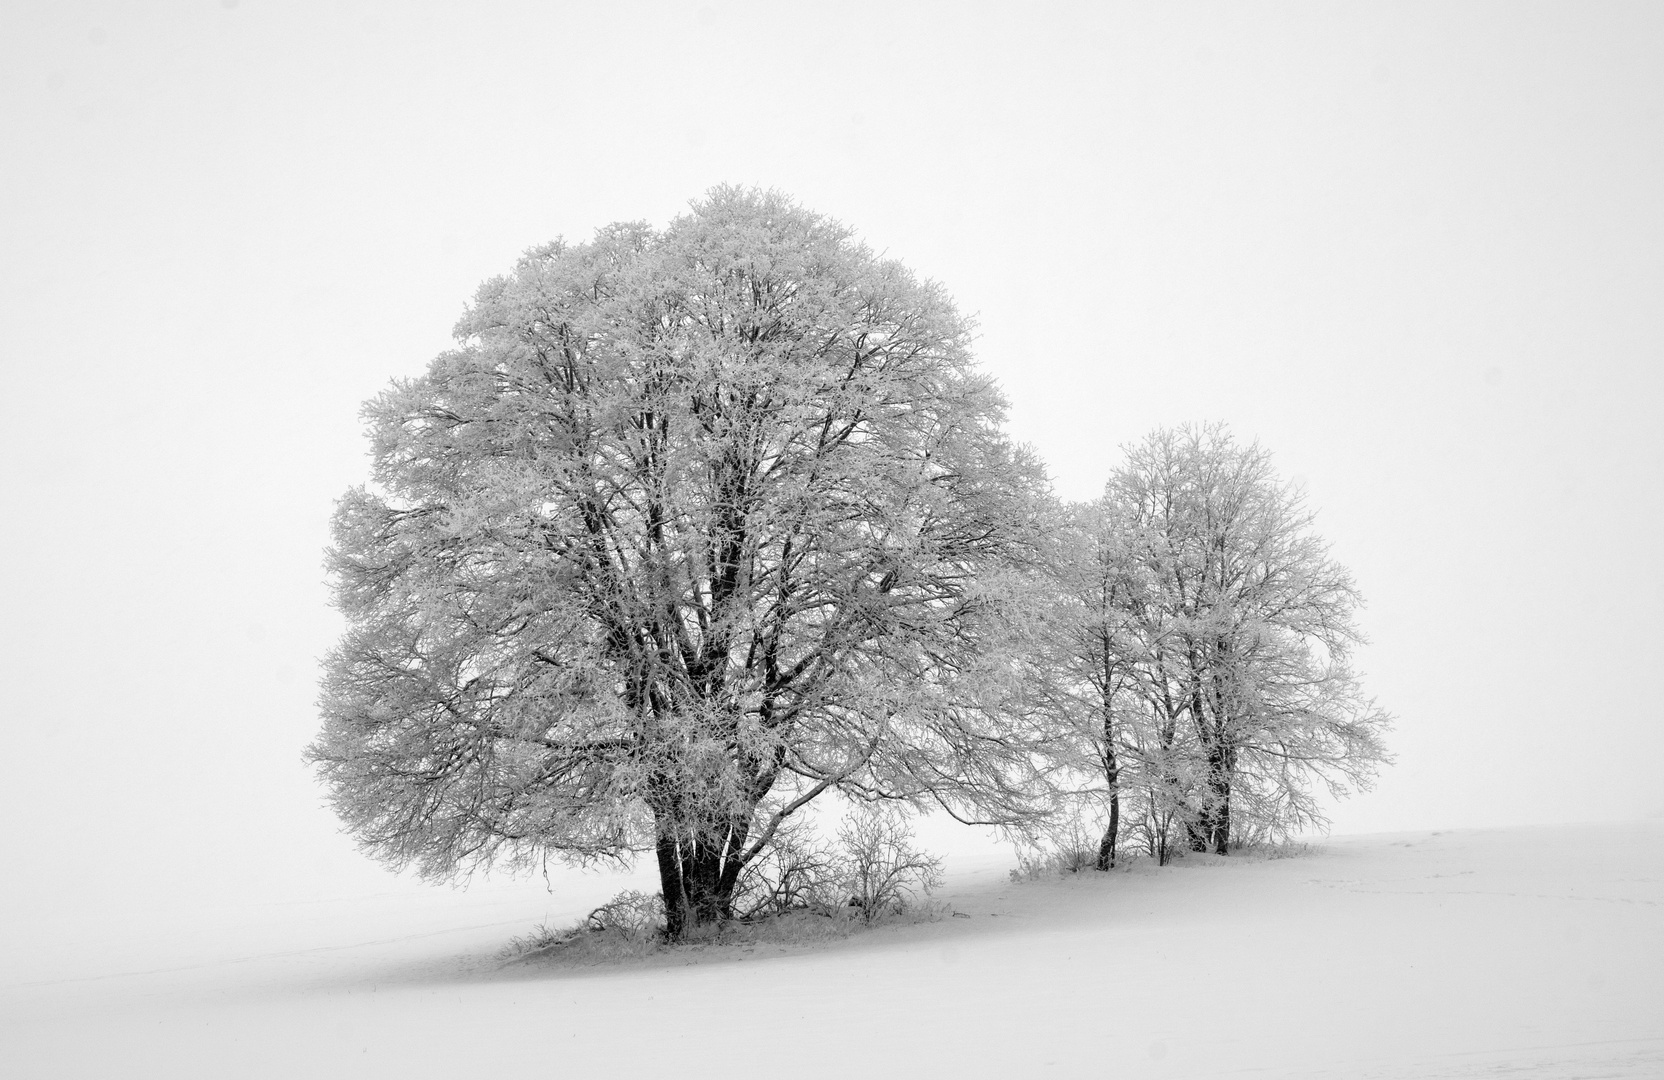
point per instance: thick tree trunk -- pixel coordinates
(707, 901)
(697, 891)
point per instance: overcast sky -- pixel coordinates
(1415, 249)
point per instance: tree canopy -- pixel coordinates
(692, 527)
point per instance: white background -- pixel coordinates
(1417, 250)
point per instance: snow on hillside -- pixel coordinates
(1531, 952)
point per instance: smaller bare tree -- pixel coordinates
(885, 873)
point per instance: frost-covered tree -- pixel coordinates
(1203, 652)
(693, 527)
(1103, 682)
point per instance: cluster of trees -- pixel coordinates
(1200, 651)
(697, 527)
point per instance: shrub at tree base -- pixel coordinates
(875, 876)
(804, 892)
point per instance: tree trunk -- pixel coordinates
(697, 891)
(1106, 849)
(1208, 832)
(1112, 776)
(1112, 766)
(1199, 829)
(1222, 806)
(1211, 829)
(670, 887)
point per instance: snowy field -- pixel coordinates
(1529, 952)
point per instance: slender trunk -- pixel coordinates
(1168, 787)
(1106, 849)
(1222, 760)
(1112, 766)
(1112, 776)
(1200, 827)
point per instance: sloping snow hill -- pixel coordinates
(1530, 952)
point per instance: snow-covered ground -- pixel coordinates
(1529, 952)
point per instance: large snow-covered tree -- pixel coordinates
(693, 527)
(1203, 652)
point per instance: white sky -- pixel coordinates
(1416, 249)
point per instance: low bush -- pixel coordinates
(799, 891)
(883, 872)
(1068, 848)
(630, 924)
